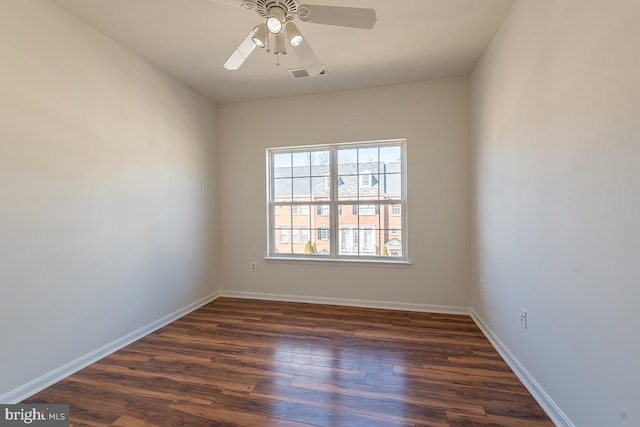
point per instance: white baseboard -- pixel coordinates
(404, 306)
(554, 412)
(50, 378)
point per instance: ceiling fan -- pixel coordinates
(278, 28)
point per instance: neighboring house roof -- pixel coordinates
(385, 180)
(393, 242)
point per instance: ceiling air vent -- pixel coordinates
(299, 73)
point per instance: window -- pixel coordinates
(323, 234)
(350, 199)
(364, 210)
(284, 235)
(304, 235)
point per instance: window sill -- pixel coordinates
(341, 261)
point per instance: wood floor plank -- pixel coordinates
(237, 362)
(438, 399)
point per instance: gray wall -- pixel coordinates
(433, 116)
(555, 130)
(105, 195)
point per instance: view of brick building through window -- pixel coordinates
(367, 202)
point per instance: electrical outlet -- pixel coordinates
(253, 266)
(523, 319)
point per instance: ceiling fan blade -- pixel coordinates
(335, 15)
(243, 51)
(236, 3)
(308, 58)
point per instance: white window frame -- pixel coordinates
(332, 231)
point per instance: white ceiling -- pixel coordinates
(412, 40)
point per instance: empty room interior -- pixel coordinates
(342, 213)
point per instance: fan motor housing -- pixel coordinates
(262, 7)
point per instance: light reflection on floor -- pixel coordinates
(318, 370)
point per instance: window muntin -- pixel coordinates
(355, 192)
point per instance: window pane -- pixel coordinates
(348, 162)
(320, 162)
(308, 247)
(281, 165)
(283, 217)
(368, 160)
(391, 243)
(322, 210)
(305, 235)
(368, 189)
(391, 186)
(301, 164)
(282, 243)
(348, 187)
(349, 217)
(348, 241)
(321, 188)
(390, 154)
(368, 244)
(301, 189)
(282, 189)
(303, 224)
(369, 211)
(322, 240)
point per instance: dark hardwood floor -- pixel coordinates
(254, 363)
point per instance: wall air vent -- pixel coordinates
(299, 73)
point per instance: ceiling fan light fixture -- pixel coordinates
(295, 38)
(260, 35)
(280, 47)
(274, 25)
(275, 19)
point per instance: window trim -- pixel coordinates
(335, 205)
